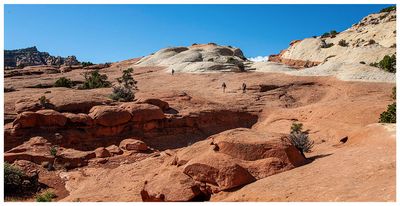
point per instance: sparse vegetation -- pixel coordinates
(85, 64)
(324, 46)
(124, 92)
(388, 9)
(300, 139)
(43, 101)
(389, 116)
(53, 151)
(362, 62)
(13, 178)
(46, 196)
(343, 43)
(331, 34)
(9, 89)
(388, 63)
(94, 80)
(63, 82)
(371, 41)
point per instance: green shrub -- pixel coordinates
(333, 32)
(53, 151)
(300, 139)
(326, 34)
(43, 101)
(95, 80)
(343, 43)
(63, 82)
(122, 94)
(394, 93)
(46, 196)
(13, 178)
(388, 63)
(127, 85)
(85, 64)
(389, 116)
(9, 89)
(387, 9)
(327, 45)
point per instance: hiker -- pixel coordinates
(223, 87)
(173, 71)
(244, 87)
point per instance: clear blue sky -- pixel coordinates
(106, 33)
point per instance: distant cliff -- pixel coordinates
(31, 57)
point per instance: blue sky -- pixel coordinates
(107, 33)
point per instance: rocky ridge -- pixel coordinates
(32, 57)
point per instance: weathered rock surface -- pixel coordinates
(41, 118)
(143, 112)
(109, 115)
(197, 58)
(133, 144)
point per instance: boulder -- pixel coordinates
(80, 119)
(143, 112)
(70, 158)
(109, 115)
(170, 185)
(51, 118)
(36, 149)
(41, 118)
(133, 144)
(114, 150)
(101, 152)
(157, 102)
(25, 105)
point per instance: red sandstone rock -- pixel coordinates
(36, 150)
(114, 150)
(157, 102)
(170, 185)
(133, 144)
(109, 115)
(42, 118)
(143, 112)
(70, 158)
(101, 152)
(79, 118)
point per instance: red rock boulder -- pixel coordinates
(133, 144)
(143, 112)
(109, 115)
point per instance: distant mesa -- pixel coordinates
(30, 56)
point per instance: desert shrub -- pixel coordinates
(387, 9)
(389, 116)
(13, 178)
(300, 139)
(85, 64)
(9, 89)
(393, 45)
(53, 151)
(374, 64)
(371, 41)
(63, 82)
(388, 63)
(343, 43)
(124, 92)
(324, 46)
(326, 34)
(94, 80)
(394, 93)
(46, 196)
(333, 32)
(43, 101)
(362, 62)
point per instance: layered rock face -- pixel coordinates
(197, 58)
(367, 41)
(32, 57)
(105, 125)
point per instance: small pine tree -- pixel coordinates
(300, 139)
(127, 85)
(388, 63)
